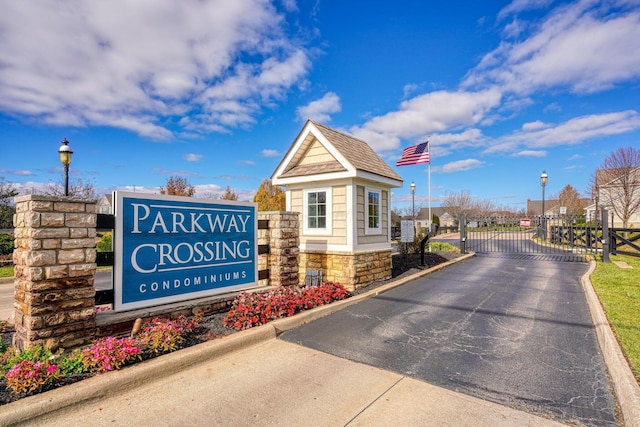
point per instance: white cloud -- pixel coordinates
(570, 132)
(585, 47)
(321, 109)
(522, 5)
(460, 165)
(534, 126)
(426, 114)
(530, 153)
(408, 89)
(182, 173)
(193, 157)
(22, 172)
(269, 153)
(93, 63)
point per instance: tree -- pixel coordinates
(229, 194)
(7, 208)
(616, 184)
(396, 216)
(458, 203)
(483, 207)
(178, 186)
(82, 188)
(570, 199)
(270, 197)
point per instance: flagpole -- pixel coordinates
(429, 182)
(429, 185)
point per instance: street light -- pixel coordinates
(65, 158)
(543, 182)
(413, 201)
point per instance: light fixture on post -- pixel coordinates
(413, 202)
(543, 182)
(65, 158)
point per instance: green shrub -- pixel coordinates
(72, 363)
(442, 247)
(6, 243)
(105, 243)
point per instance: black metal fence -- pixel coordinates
(547, 235)
(513, 234)
(625, 241)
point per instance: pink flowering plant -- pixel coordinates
(107, 354)
(165, 335)
(28, 376)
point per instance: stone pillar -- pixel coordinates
(55, 263)
(284, 247)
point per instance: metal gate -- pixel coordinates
(520, 235)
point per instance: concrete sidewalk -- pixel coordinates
(251, 378)
(277, 383)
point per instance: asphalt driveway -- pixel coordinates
(514, 330)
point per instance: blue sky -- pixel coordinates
(217, 91)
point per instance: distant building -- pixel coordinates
(609, 192)
(105, 204)
(446, 219)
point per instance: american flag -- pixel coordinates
(414, 155)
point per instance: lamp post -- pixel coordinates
(65, 158)
(413, 202)
(543, 182)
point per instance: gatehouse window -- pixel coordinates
(318, 211)
(373, 209)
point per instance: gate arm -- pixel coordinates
(423, 243)
(433, 230)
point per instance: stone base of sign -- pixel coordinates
(55, 263)
(284, 252)
(351, 269)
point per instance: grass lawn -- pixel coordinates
(6, 271)
(619, 292)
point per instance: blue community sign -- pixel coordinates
(170, 248)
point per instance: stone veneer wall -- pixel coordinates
(284, 247)
(353, 270)
(54, 261)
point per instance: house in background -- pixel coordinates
(616, 190)
(552, 207)
(445, 218)
(342, 190)
(534, 207)
(105, 204)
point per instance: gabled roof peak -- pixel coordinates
(347, 156)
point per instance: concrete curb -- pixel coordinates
(111, 383)
(624, 382)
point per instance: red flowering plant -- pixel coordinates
(257, 308)
(29, 376)
(313, 296)
(165, 335)
(110, 353)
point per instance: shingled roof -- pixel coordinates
(350, 156)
